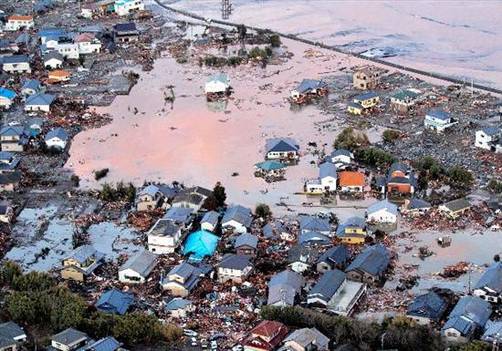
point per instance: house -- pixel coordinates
(404, 100)
(125, 33)
(53, 60)
(10, 181)
(438, 121)
(33, 127)
(362, 103)
(301, 258)
(178, 307)
(382, 212)
(149, 198)
(335, 293)
(51, 33)
(351, 181)
(277, 229)
(11, 336)
(401, 180)
(284, 287)
(352, 231)
(309, 88)
(69, 340)
(327, 176)
(455, 208)
(180, 216)
(468, 316)
(126, 7)
(489, 285)
(7, 97)
(81, 263)
(8, 161)
(138, 267)
(164, 237)
(313, 239)
(16, 64)
(6, 212)
(488, 138)
(493, 332)
(87, 43)
(341, 158)
(58, 76)
(370, 265)
(314, 224)
(31, 87)
(270, 169)
(313, 187)
(105, 344)
(19, 22)
(57, 138)
(237, 219)
(187, 199)
(366, 78)
(427, 308)
(200, 244)
(306, 339)
(266, 336)
(415, 207)
(209, 221)
(335, 257)
(234, 268)
(12, 138)
(39, 102)
(283, 149)
(182, 279)
(114, 302)
(217, 85)
(246, 244)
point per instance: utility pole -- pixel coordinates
(226, 9)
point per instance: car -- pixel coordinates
(189, 332)
(214, 345)
(237, 348)
(203, 344)
(193, 342)
(217, 336)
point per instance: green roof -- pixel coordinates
(403, 94)
(270, 165)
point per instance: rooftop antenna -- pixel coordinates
(226, 9)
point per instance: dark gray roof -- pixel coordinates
(85, 252)
(457, 205)
(237, 262)
(491, 278)
(314, 224)
(439, 114)
(238, 213)
(211, 217)
(416, 204)
(464, 325)
(310, 84)
(69, 336)
(335, 255)
(309, 336)
(142, 263)
(284, 286)
(384, 204)
(327, 169)
(473, 308)
(188, 272)
(179, 215)
(491, 131)
(328, 285)
(305, 254)
(373, 260)
(125, 27)
(352, 222)
(164, 227)
(281, 145)
(287, 277)
(429, 305)
(53, 55)
(15, 59)
(10, 330)
(308, 238)
(246, 239)
(57, 133)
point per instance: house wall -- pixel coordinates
(400, 188)
(352, 240)
(488, 296)
(175, 289)
(245, 250)
(130, 276)
(329, 183)
(341, 159)
(146, 205)
(56, 142)
(128, 7)
(12, 146)
(5, 102)
(354, 110)
(162, 244)
(226, 274)
(89, 47)
(314, 188)
(43, 108)
(23, 67)
(382, 216)
(281, 155)
(215, 87)
(207, 226)
(68, 50)
(352, 188)
(237, 227)
(53, 63)
(453, 335)
(362, 277)
(14, 25)
(360, 80)
(420, 320)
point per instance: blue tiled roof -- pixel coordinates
(463, 325)
(328, 284)
(384, 204)
(270, 165)
(40, 99)
(335, 255)
(211, 217)
(281, 145)
(491, 278)
(313, 238)
(239, 214)
(327, 169)
(57, 133)
(352, 222)
(473, 308)
(314, 224)
(373, 260)
(32, 84)
(178, 214)
(429, 305)
(246, 239)
(366, 96)
(106, 344)
(177, 303)
(439, 114)
(309, 84)
(7, 93)
(115, 301)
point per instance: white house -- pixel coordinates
(217, 84)
(327, 175)
(382, 212)
(314, 187)
(17, 22)
(126, 7)
(164, 237)
(178, 307)
(341, 157)
(88, 43)
(489, 286)
(237, 218)
(137, 268)
(488, 138)
(39, 102)
(57, 138)
(234, 268)
(7, 97)
(53, 60)
(68, 50)
(16, 64)
(209, 221)
(285, 149)
(31, 87)
(438, 121)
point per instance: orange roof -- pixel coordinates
(60, 73)
(268, 328)
(20, 18)
(348, 178)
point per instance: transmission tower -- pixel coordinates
(226, 9)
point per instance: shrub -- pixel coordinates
(374, 157)
(101, 173)
(351, 139)
(390, 135)
(495, 186)
(263, 211)
(275, 41)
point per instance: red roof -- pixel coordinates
(267, 335)
(347, 178)
(20, 18)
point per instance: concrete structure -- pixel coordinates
(438, 121)
(366, 78)
(19, 22)
(489, 138)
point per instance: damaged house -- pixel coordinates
(81, 263)
(370, 265)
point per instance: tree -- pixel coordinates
(374, 157)
(275, 41)
(262, 211)
(22, 307)
(459, 177)
(242, 31)
(66, 308)
(101, 173)
(495, 186)
(475, 345)
(390, 135)
(219, 194)
(33, 281)
(8, 271)
(210, 203)
(137, 328)
(351, 139)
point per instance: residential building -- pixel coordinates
(8, 161)
(53, 60)
(7, 97)
(270, 169)
(302, 258)
(341, 158)
(427, 308)
(454, 209)
(352, 231)
(105, 344)
(335, 293)
(362, 103)
(39, 102)
(384, 212)
(308, 88)
(438, 121)
(370, 265)
(217, 84)
(415, 207)
(246, 244)
(266, 336)
(87, 43)
(58, 76)
(306, 339)
(33, 127)
(164, 237)
(401, 180)
(313, 187)
(57, 138)
(138, 267)
(10, 181)
(81, 263)
(351, 181)
(284, 287)
(277, 229)
(12, 138)
(315, 224)
(180, 216)
(468, 316)
(327, 176)
(125, 33)
(336, 257)
(365, 78)
(16, 64)
(19, 22)
(200, 244)
(114, 302)
(489, 285)
(69, 340)
(126, 7)
(283, 149)
(31, 87)
(404, 100)
(209, 221)
(11, 336)
(181, 280)
(149, 198)
(313, 239)
(234, 268)
(6, 212)
(237, 219)
(489, 138)
(493, 332)
(178, 307)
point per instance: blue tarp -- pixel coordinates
(200, 244)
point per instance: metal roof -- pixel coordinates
(238, 213)
(281, 145)
(69, 336)
(115, 301)
(309, 336)
(328, 284)
(246, 239)
(429, 305)
(327, 169)
(314, 224)
(382, 205)
(373, 260)
(337, 255)
(211, 217)
(491, 278)
(59, 133)
(237, 262)
(142, 263)
(439, 114)
(473, 308)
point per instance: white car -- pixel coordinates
(214, 345)
(193, 342)
(189, 332)
(237, 348)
